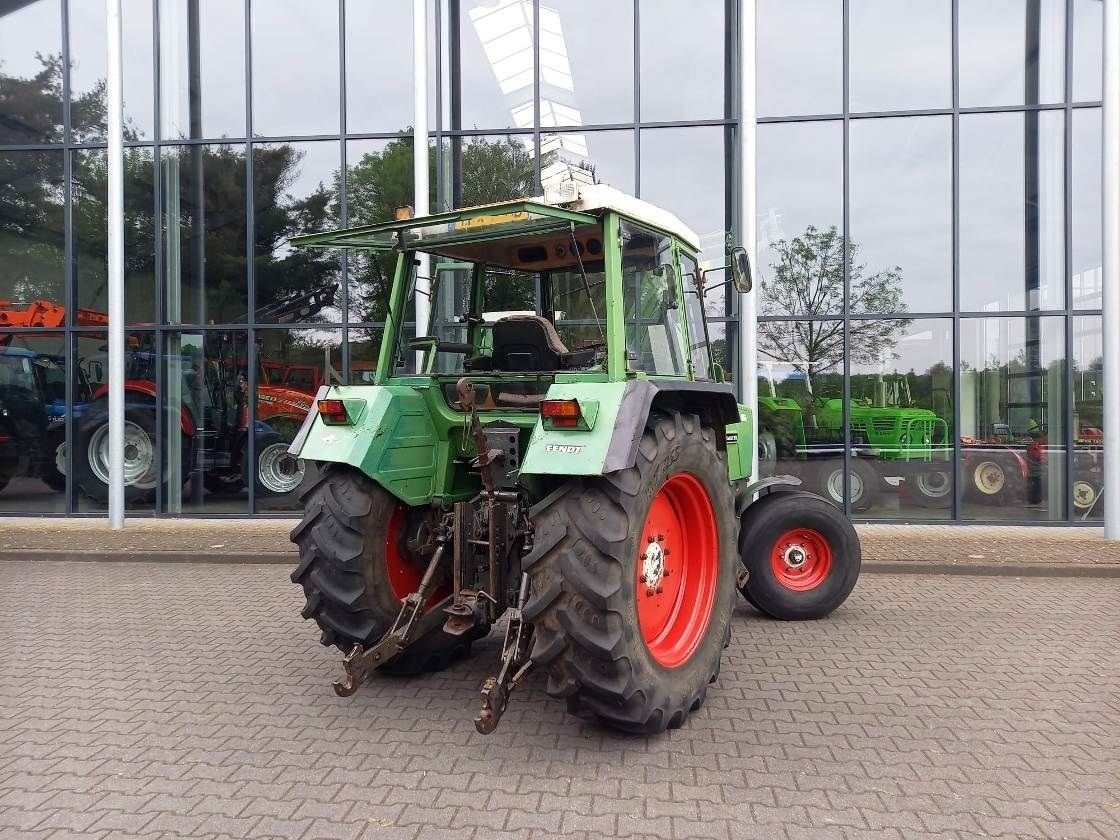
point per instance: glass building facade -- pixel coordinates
(928, 225)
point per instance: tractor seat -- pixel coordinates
(530, 343)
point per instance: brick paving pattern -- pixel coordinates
(187, 700)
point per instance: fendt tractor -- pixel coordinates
(558, 447)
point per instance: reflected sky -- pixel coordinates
(900, 53)
(799, 54)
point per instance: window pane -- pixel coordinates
(1088, 50)
(204, 233)
(1088, 409)
(800, 216)
(587, 62)
(1013, 418)
(800, 380)
(1012, 53)
(1011, 229)
(650, 307)
(90, 191)
(682, 60)
(607, 155)
(90, 382)
(495, 64)
(295, 68)
(901, 222)
(379, 180)
(33, 422)
(207, 73)
(901, 417)
(31, 226)
(295, 191)
(292, 364)
(900, 53)
(799, 53)
(684, 171)
(89, 69)
(1086, 195)
(364, 344)
(378, 66)
(31, 73)
(494, 169)
(205, 376)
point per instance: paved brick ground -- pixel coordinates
(266, 540)
(144, 699)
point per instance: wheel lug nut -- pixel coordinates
(660, 589)
(661, 538)
(642, 578)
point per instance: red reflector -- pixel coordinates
(560, 408)
(333, 411)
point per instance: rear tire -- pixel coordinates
(630, 628)
(355, 568)
(801, 553)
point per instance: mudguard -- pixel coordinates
(620, 413)
(392, 439)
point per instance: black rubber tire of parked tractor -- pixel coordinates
(868, 477)
(767, 520)
(85, 477)
(344, 577)
(583, 573)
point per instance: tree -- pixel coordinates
(807, 279)
(382, 181)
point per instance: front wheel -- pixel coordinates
(277, 472)
(801, 553)
(632, 576)
(934, 488)
(863, 484)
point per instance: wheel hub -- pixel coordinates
(795, 556)
(653, 566)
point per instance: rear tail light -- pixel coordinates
(334, 412)
(563, 414)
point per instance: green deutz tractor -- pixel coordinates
(890, 436)
(555, 447)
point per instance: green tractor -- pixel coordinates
(555, 447)
(890, 436)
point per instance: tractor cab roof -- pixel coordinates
(531, 221)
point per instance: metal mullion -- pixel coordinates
(69, 275)
(636, 105)
(250, 269)
(845, 420)
(157, 239)
(344, 173)
(437, 67)
(957, 510)
(535, 29)
(1070, 437)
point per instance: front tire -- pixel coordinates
(801, 553)
(141, 474)
(355, 567)
(632, 578)
(933, 488)
(863, 482)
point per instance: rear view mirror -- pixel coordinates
(741, 270)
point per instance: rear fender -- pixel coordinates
(621, 411)
(393, 441)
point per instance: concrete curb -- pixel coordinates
(290, 558)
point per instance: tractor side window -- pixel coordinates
(579, 308)
(650, 305)
(694, 315)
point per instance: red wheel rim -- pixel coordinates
(677, 570)
(801, 559)
(404, 576)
